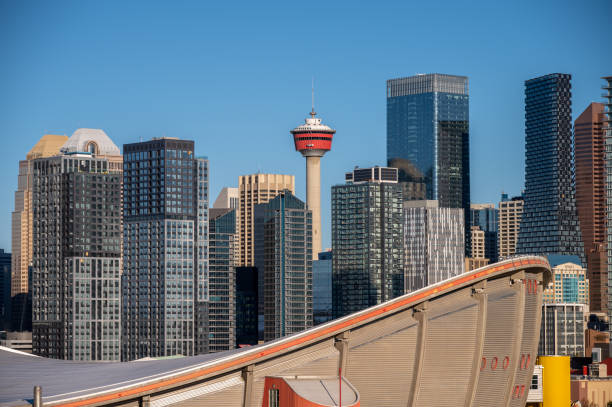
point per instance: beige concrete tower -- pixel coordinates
(252, 190)
(313, 140)
(509, 224)
(21, 239)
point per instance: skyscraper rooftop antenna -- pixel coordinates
(312, 112)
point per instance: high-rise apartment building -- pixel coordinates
(550, 222)
(252, 190)
(478, 242)
(589, 158)
(228, 198)
(569, 284)
(428, 131)
(510, 213)
(478, 246)
(284, 254)
(367, 240)
(433, 245)
(48, 146)
(165, 282)
(76, 263)
(222, 280)
(485, 216)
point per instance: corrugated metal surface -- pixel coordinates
(325, 364)
(382, 369)
(443, 363)
(228, 397)
(257, 392)
(499, 337)
(529, 342)
(296, 360)
(198, 395)
(370, 332)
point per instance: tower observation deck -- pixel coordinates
(313, 139)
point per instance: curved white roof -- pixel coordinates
(313, 124)
(81, 139)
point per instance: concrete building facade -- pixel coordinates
(509, 223)
(569, 284)
(21, 341)
(76, 264)
(284, 254)
(562, 330)
(367, 240)
(165, 282)
(228, 198)
(21, 218)
(478, 242)
(255, 189)
(433, 243)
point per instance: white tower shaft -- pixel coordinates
(313, 200)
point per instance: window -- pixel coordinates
(274, 399)
(534, 382)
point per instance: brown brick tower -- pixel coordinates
(591, 199)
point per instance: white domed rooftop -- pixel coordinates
(92, 141)
(313, 124)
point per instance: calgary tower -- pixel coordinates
(313, 140)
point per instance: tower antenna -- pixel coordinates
(312, 112)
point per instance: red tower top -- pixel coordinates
(313, 138)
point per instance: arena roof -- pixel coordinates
(510, 312)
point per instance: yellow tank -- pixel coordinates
(555, 380)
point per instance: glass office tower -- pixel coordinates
(222, 280)
(283, 252)
(165, 247)
(322, 288)
(550, 221)
(428, 137)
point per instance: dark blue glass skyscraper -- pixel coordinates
(550, 221)
(428, 131)
(428, 136)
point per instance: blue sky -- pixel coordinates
(236, 76)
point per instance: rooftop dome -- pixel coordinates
(92, 141)
(48, 146)
(313, 125)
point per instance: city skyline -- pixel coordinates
(105, 77)
(453, 248)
